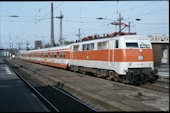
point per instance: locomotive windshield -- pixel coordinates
(132, 44)
(138, 42)
(144, 43)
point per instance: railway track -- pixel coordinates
(163, 87)
(159, 86)
(163, 82)
(56, 99)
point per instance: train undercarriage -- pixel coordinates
(142, 75)
(133, 76)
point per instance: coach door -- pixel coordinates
(71, 53)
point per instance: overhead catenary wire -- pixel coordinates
(50, 12)
(36, 23)
(20, 32)
(75, 20)
(133, 8)
(150, 13)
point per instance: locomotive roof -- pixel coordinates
(87, 41)
(109, 38)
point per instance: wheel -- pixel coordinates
(115, 76)
(110, 77)
(95, 72)
(106, 73)
(83, 70)
(120, 79)
(98, 73)
(72, 68)
(130, 77)
(80, 69)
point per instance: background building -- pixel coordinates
(160, 45)
(38, 44)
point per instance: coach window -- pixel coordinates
(92, 46)
(62, 54)
(75, 48)
(102, 45)
(84, 47)
(117, 44)
(57, 55)
(88, 46)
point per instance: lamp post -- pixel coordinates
(11, 44)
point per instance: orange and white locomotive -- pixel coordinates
(124, 58)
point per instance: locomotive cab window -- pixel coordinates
(144, 43)
(131, 44)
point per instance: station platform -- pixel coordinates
(105, 95)
(15, 96)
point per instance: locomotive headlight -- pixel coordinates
(140, 57)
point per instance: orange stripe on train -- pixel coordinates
(120, 55)
(131, 55)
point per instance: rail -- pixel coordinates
(56, 99)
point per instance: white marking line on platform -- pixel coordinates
(7, 70)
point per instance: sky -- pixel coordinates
(28, 21)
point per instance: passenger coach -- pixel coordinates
(56, 56)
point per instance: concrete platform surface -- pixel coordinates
(15, 95)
